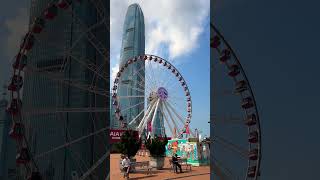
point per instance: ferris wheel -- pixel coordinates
(58, 93)
(162, 92)
(236, 124)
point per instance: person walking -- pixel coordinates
(176, 163)
(126, 167)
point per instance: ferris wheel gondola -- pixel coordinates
(232, 159)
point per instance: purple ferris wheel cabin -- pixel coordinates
(162, 93)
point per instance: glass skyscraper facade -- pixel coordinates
(49, 130)
(133, 44)
(133, 79)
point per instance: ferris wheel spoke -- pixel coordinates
(89, 33)
(31, 112)
(150, 75)
(179, 117)
(151, 85)
(178, 106)
(171, 82)
(177, 92)
(96, 117)
(180, 99)
(137, 72)
(173, 79)
(95, 165)
(131, 87)
(223, 172)
(70, 82)
(164, 75)
(101, 49)
(153, 70)
(77, 158)
(231, 146)
(174, 103)
(136, 118)
(70, 143)
(142, 83)
(130, 97)
(101, 12)
(171, 117)
(86, 31)
(127, 108)
(91, 66)
(168, 106)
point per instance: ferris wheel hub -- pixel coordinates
(162, 93)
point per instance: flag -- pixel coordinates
(187, 129)
(149, 126)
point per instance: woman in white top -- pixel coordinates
(126, 166)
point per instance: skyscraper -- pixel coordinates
(133, 44)
(47, 131)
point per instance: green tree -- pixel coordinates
(156, 146)
(129, 145)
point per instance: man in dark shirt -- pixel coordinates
(176, 163)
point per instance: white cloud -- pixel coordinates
(114, 71)
(17, 27)
(171, 27)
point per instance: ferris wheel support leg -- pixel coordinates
(154, 115)
(146, 119)
(146, 114)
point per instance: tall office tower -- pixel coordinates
(49, 88)
(133, 44)
(7, 145)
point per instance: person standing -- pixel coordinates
(126, 167)
(176, 163)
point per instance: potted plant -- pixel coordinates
(157, 149)
(129, 145)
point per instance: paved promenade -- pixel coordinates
(197, 173)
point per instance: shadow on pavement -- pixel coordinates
(145, 177)
(187, 176)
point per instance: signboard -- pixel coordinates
(115, 135)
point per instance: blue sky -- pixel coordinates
(178, 35)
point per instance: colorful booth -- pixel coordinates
(196, 153)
